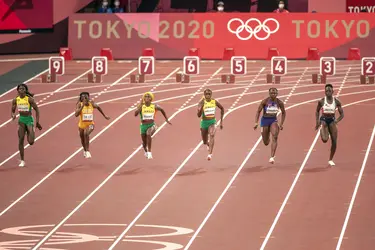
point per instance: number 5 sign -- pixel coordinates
(238, 65)
(191, 65)
(146, 65)
(279, 65)
(56, 65)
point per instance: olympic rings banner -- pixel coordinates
(249, 34)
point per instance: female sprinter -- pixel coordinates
(24, 102)
(206, 110)
(269, 123)
(147, 111)
(85, 111)
(327, 122)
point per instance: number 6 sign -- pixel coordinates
(238, 65)
(327, 66)
(56, 65)
(279, 65)
(146, 65)
(368, 66)
(191, 65)
(99, 65)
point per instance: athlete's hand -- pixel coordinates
(107, 117)
(39, 126)
(13, 116)
(255, 126)
(281, 127)
(167, 121)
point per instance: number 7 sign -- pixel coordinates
(146, 65)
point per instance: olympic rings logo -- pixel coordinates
(253, 31)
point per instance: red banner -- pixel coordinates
(25, 16)
(360, 6)
(249, 34)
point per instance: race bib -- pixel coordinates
(88, 117)
(209, 111)
(23, 108)
(272, 110)
(148, 116)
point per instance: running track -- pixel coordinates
(178, 200)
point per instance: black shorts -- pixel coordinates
(327, 120)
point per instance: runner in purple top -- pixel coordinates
(269, 123)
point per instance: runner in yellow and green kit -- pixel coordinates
(206, 110)
(147, 111)
(24, 103)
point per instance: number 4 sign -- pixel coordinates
(191, 65)
(279, 65)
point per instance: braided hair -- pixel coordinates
(26, 89)
(81, 95)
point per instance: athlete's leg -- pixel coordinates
(324, 133)
(150, 131)
(211, 135)
(82, 137)
(87, 133)
(274, 128)
(265, 131)
(144, 142)
(334, 133)
(30, 134)
(21, 139)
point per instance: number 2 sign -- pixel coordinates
(368, 66)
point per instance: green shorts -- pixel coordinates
(205, 124)
(144, 127)
(27, 120)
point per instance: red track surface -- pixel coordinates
(314, 213)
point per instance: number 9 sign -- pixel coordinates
(99, 65)
(56, 65)
(327, 66)
(368, 66)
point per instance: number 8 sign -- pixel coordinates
(279, 65)
(99, 65)
(191, 65)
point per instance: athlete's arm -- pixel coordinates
(283, 113)
(13, 109)
(257, 114)
(138, 109)
(341, 111)
(200, 107)
(96, 106)
(157, 107)
(221, 114)
(317, 111)
(37, 113)
(79, 108)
